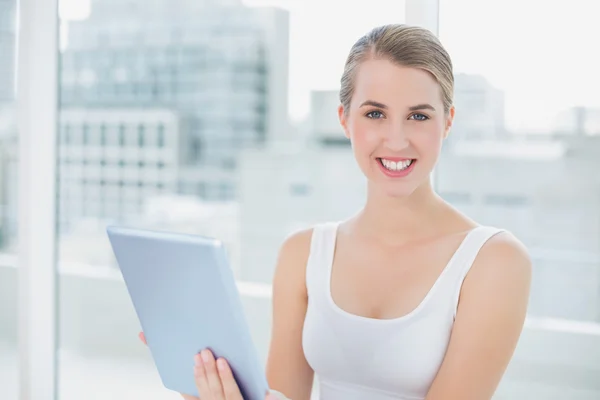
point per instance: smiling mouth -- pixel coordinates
(395, 166)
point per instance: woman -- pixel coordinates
(408, 299)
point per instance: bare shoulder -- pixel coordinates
(504, 255)
(290, 271)
(502, 269)
(297, 244)
(287, 368)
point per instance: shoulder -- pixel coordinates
(504, 254)
(503, 263)
(294, 252)
(489, 321)
(297, 244)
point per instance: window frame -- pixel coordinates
(37, 116)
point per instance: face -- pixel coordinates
(396, 124)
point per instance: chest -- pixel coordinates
(377, 281)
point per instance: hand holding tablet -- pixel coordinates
(186, 299)
(230, 390)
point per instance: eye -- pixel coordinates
(374, 114)
(419, 117)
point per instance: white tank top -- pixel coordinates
(357, 358)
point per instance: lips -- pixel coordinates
(397, 168)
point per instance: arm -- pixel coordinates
(287, 369)
(489, 321)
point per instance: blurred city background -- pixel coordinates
(218, 117)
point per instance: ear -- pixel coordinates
(449, 121)
(343, 120)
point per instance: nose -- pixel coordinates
(396, 139)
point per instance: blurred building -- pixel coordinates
(324, 123)
(221, 68)
(481, 109)
(86, 246)
(112, 161)
(581, 121)
(8, 23)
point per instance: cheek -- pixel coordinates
(428, 141)
(364, 138)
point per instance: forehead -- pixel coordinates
(395, 85)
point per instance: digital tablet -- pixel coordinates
(185, 297)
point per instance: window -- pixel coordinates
(85, 134)
(103, 135)
(161, 135)
(67, 134)
(198, 79)
(122, 135)
(497, 161)
(515, 149)
(141, 132)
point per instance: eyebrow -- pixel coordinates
(423, 106)
(374, 104)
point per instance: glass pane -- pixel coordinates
(523, 154)
(8, 202)
(169, 113)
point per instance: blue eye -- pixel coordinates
(375, 114)
(419, 117)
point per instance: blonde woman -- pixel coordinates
(408, 299)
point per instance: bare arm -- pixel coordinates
(287, 369)
(489, 321)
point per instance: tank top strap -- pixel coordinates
(322, 249)
(464, 257)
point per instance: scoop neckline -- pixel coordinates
(403, 318)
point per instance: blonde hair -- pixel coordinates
(405, 45)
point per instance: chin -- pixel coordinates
(397, 191)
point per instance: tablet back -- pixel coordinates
(186, 299)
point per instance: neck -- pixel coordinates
(399, 220)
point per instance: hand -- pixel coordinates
(214, 378)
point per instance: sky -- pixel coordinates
(541, 53)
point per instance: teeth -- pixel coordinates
(396, 166)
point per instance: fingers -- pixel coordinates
(212, 375)
(142, 338)
(230, 387)
(214, 378)
(201, 379)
